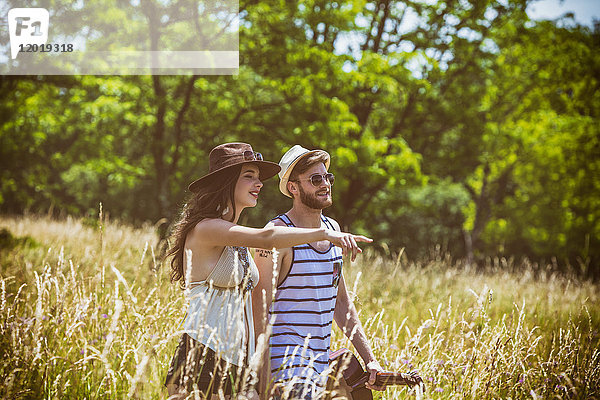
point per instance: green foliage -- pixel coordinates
(539, 150)
(421, 218)
(475, 129)
(555, 196)
(8, 241)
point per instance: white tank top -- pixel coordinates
(303, 313)
(220, 308)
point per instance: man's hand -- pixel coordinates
(413, 379)
(373, 368)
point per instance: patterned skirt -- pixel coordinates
(195, 366)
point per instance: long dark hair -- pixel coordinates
(208, 202)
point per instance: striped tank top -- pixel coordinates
(303, 313)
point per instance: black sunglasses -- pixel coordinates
(317, 179)
(250, 155)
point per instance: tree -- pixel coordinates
(447, 123)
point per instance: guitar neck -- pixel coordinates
(390, 378)
(356, 377)
(383, 379)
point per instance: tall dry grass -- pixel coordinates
(88, 312)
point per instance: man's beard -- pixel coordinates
(312, 201)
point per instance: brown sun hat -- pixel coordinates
(226, 156)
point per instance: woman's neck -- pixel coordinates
(229, 214)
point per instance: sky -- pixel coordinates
(585, 10)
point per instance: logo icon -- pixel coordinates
(27, 26)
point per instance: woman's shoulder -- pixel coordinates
(203, 233)
(207, 225)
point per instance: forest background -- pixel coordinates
(474, 130)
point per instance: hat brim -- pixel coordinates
(266, 170)
(286, 176)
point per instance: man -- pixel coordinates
(310, 287)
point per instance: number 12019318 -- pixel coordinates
(46, 48)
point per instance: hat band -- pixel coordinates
(234, 159)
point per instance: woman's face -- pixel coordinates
(247, 187)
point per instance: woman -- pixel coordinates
(210, 258)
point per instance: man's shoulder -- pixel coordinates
(333, 222)
(277, 221)
(283, 252)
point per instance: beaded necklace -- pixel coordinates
(242, 253)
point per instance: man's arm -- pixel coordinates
(346, 317)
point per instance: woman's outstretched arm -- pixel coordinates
(219, 232)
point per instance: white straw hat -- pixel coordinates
(288, 162)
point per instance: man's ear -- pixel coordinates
(292, 188)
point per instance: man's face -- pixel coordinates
(311, 196)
